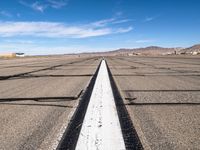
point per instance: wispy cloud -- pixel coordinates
(57, 3)
(121, 21)
(124, 30)
(102, 23)
(5, 13)
(149, 19)
(110, 21)
(38, 6)
(42, 5)
(56, 30)
(18, 41)
(144, 41)
(119, 13)
(140, 41)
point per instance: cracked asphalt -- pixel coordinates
(162, 95)
(31, 123)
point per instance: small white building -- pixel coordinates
(20, 54)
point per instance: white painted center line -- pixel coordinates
(101, 128)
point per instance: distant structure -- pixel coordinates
(11, 55)
(20, 54)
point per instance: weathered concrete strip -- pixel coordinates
(101, 126)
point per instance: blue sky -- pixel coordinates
(70, 26)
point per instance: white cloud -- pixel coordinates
(42, 5)
(56, 30)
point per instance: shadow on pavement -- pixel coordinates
(39, 76)
(40, 99)
(167, 103)
(161, 90)
(25, 104)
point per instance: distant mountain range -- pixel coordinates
(155, 50)
(151, 50)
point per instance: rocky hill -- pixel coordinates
(191, 50)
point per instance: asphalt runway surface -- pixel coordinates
(38, 96)
(162, 95)
(35, 107)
